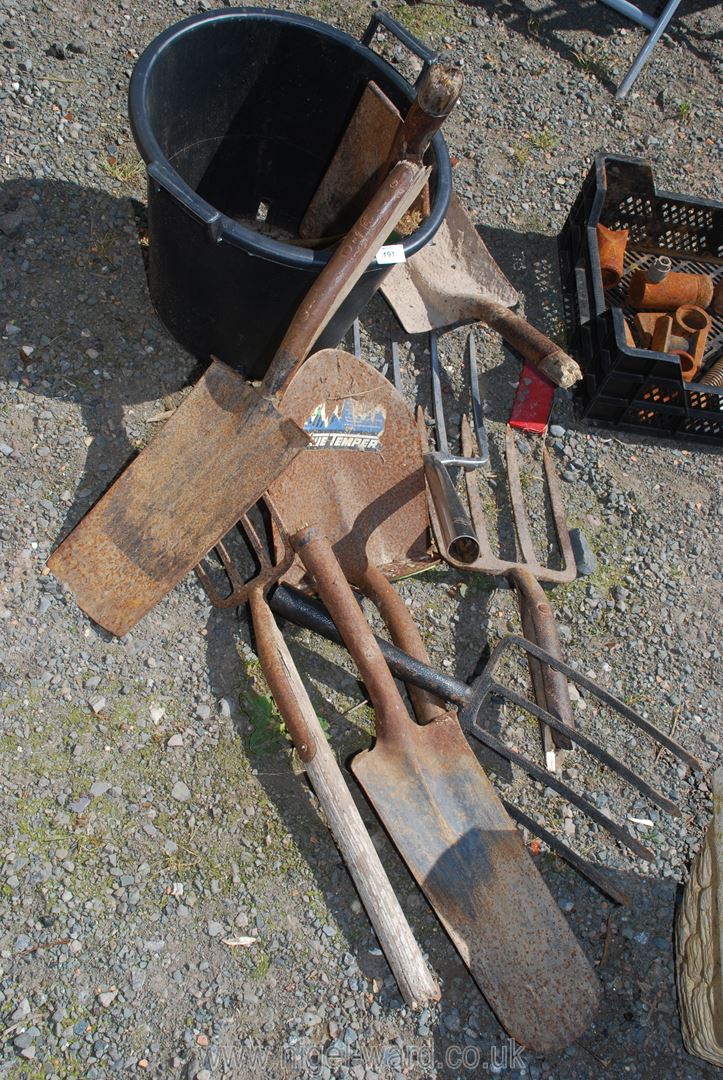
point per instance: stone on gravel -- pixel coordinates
(584, 555)
(180, 792)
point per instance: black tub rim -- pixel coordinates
(221, 227)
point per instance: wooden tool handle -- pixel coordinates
(437, 95)
(539, 625)
(416, 984)
(536, 348)
(392, 721)
(406, 177)
(342, 272)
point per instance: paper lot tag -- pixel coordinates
(348, 425)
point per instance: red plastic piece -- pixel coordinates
(533, 402)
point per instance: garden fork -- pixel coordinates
(471, 549)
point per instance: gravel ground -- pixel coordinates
(151, 814)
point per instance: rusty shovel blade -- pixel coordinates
(221, 447)
(450, 280)
(453, 833)
(469, 859)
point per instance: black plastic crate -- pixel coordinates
(625, 387)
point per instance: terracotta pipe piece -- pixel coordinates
(676, 289)
(695, 324)
(611, 247)
(690, 319)
(644, 324)
(688, 365)
(660, 340)
(714, 375)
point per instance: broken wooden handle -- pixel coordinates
(416, 983)
(536, 348)
(437, 95)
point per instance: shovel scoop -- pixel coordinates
(454, 279)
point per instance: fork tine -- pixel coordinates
(437, 403)
(587, 869)
(252, 537)
(356, 331)
(229, 566)
(477, 416)
(517, 499)
(270, 568)
(558, 517)
(396, 369)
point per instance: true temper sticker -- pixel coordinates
(348, 426)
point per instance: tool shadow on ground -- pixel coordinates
(74, 284)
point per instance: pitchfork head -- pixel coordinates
(486, 561)
(271, 566)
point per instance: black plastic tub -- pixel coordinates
(235, 110)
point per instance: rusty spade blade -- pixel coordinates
(463, 850)
(455, 279)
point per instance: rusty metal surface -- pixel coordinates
(538, 618)
(583, 866)
(675, 289)
(455, 279)
(454, 835)
(412, 669)
(487, 562)
(456, 838)
(611, 245)
(295, 606)
(447, 280)
(405, 635)
(366, 491)
(208, 465)
(272, 566)
(216, 456)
